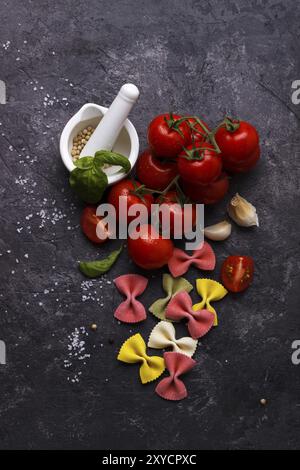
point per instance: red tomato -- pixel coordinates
(89, 222)
(199, 134)
(129, 189)
(237, 272)
(205, 165)
(150, 251)
(154, 173)
(163, 138)
(209, 194)
(238, 145)
(176, 211)
(243, 167)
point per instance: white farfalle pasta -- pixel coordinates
(163, 336)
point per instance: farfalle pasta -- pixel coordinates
(199, 322)
(172, 387)
(163, 336)
(171, 286)
(203, 258)
(210, 291)
(131, 286)
(134, 351)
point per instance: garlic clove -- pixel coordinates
(219, 231)
(242, 212)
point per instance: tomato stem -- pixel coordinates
(196, 153)
(231, 125)
(172, 183)
(173, 124)
(207, 133)
(143, 189)
(181, 197)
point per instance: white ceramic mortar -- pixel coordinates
(116, 130)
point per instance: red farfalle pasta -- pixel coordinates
(199, 322)
(172, 387)
(203, 258)
(131, 310)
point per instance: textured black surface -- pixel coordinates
(206, 57)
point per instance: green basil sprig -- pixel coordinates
(88, 178)
(112, 158)
(97, 268)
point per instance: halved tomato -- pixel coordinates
(237, 272)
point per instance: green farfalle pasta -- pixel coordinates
(171, 286)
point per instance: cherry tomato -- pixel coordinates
(209, 194)
(199, 134)
(89, 222)
(154, 173)
(129, 189)
(238, 142)
(150, 250)
(205, 165)
(164, 138)
(171, 201)
(237, 272)
(243, 167)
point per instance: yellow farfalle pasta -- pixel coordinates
(210, 291)
(134, 351)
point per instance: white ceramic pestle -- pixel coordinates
(107, 131)
(90, 114)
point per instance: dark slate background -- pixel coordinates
(205, 57)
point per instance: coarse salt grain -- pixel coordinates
(77, 355)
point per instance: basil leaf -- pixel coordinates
(89, 184)
(97, 268)
(112, 158)
(84, 163)
(89, 180)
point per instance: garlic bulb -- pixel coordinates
(219, 231)
(242, 212)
